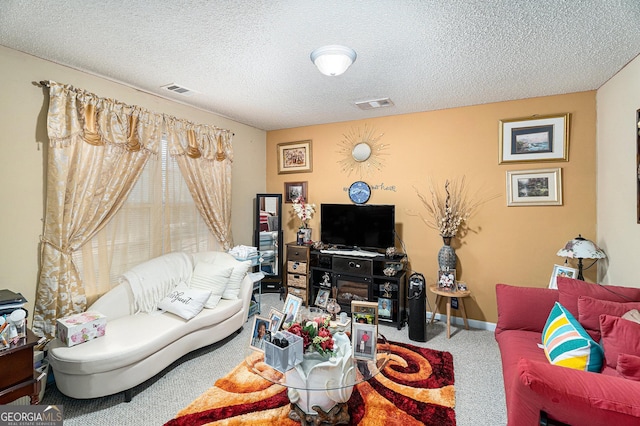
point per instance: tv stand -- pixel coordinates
(360, 275)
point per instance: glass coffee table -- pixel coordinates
(319, 387)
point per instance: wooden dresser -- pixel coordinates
(297, 259)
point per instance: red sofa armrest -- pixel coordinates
(523, 308)
(572, 396)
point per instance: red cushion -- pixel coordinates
(619, 336)
(590, 309)
(570, 290)
(512, 307)
(629, 366)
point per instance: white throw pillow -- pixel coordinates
(184, 301)
(239, 271)
(207, 276)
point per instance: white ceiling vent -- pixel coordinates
(375, 103)
(176, 88)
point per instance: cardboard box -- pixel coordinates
(284, 359)
(80, 328)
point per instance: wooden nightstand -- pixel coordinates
(18, 376)
(448, 295)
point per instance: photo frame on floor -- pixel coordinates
(291, 307)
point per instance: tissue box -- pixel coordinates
(80, 328)
(284, 359)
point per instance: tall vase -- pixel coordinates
(447, 255)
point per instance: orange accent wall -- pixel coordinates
(513, 245)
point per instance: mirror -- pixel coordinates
(268, 239)
(361, 152)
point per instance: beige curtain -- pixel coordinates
(204, 155)
(97, 150)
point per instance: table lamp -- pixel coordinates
(581, 248)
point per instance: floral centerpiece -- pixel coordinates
(315, 335)
(304, 211)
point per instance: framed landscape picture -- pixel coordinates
(541, 187)
(294, 157)
(537, 138)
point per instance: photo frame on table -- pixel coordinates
(322, 298)
(259, 333)
(275, 320)
(363, 312)
(561, 271)
(385, 307)
(294, 190)
(365, 339)
(292, 305)
(295, 157)
(536, 138)
(447, 280)
(542, 187)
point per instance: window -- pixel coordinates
(158, 217)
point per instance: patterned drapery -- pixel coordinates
(97, 149)
(204, 155)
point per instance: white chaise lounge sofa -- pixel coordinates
(140, 340)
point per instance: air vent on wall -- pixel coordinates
(176, 88)
(375, 103)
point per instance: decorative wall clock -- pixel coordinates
(359, 192)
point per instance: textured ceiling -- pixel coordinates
(249, 60)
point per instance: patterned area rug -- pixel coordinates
(416, 387)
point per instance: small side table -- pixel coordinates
(18, 376)
(449, 294)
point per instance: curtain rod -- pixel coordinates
(47, 83)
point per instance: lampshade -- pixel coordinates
(334, 59)
(581, 248)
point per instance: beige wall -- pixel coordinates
(618, 230)
(515, 245)
(23, 131)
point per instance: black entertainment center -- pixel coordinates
(355, 266)
(361, 278)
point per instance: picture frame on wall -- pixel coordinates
(541, 187)
(295, 157)
(561, 271)
(294, 190)
(533, 139)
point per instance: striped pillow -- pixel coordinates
(567, 344)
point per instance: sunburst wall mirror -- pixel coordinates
(361, 151)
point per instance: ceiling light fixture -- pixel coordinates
(334, 59)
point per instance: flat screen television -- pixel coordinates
(362, 226)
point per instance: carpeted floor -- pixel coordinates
(416, 387)
(478, 379)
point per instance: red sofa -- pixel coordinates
(538, 392)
